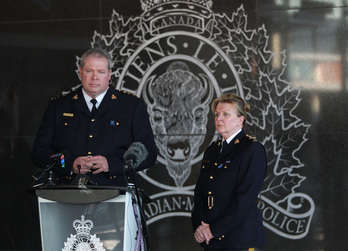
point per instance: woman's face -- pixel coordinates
(226, 120)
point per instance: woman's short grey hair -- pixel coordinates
(241, 106)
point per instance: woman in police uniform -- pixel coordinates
(225, 216)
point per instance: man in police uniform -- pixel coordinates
(94, 126)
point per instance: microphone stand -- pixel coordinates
(50, 178)
(143, 231)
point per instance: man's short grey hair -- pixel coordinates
(98, 53)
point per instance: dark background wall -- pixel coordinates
(39, 40)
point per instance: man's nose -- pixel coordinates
(94, 75)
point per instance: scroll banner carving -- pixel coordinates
(292, 223)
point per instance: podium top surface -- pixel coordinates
(74, 195)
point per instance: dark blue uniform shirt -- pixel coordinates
(226, 193)
(68, 127)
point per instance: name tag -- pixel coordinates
(66, 114)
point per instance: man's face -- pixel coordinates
(95, 76)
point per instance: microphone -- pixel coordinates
(135, 155)
(57, 159)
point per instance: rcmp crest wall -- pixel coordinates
(180, 55)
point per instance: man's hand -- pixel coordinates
(94, 164)
(99, 164)
(85, 166)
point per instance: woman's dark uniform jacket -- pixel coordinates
(67, 126)
(226, 193)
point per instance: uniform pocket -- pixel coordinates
(121, 130)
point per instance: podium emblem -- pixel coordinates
(83, 240)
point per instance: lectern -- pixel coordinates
(97, 218)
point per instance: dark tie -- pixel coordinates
(94, 108)
(224, 144)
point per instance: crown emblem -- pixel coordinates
(147, 5)
(83, 240)
(83, 227)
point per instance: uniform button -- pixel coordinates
(203, 166)
(91, 136)
(89, 153)
(209, 192)
(211, 177)
(219, 239)
(66, 124)
(215, 164)
(225, 167)
(92, 120)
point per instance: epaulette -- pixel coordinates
(251, 138)
(64, 93)
(216, 142)
(128, 93)
(61, 95)
(54, 98)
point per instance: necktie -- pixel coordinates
(224, 144)
(94, 108)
